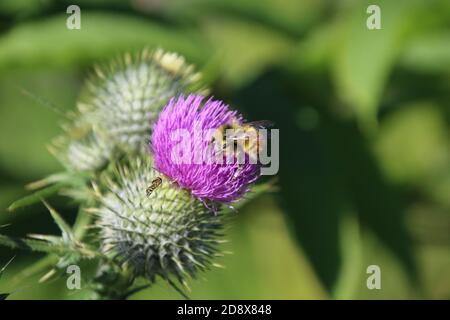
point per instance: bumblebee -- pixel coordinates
(245, 135)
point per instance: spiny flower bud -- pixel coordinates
(124, 99)
(120, 104)
(81, 148)
(165, 232)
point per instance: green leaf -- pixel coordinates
(364, 58)
(69, 178)
(31, 125)
(21, 8)
(82, 222)
(33, 245)
(35, 268)
(315, 51)
(61, 247)
(429, 53)
(352, 266)
(48, 42)
(5, 266)
(417, 133)
(45, 237)
(35, 197)
(291, 16)
(258, 47)
(3, 296)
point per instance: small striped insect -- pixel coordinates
(155, 184)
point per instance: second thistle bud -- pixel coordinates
(125, 99)
(120, 104)
(166, 233)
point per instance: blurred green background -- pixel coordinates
(364, 127)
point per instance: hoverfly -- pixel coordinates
(251, 140)
(155, 184)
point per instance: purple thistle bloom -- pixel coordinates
(223, 182)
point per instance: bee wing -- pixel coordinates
(262, 124)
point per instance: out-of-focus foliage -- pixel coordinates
(364, 126)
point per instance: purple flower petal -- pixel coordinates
(220, 182)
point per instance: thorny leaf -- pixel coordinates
(66, 230)
(35, 197)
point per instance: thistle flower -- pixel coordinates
(217, 182)
(168, 233)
